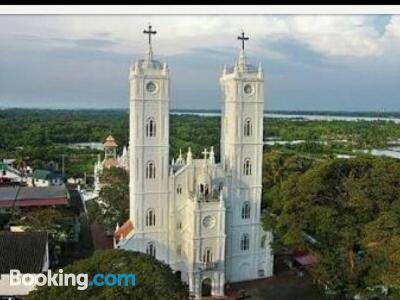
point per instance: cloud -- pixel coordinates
(333, 35)
(311, 62)
(392, 32)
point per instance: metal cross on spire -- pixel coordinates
(149, 32)
(243, 39)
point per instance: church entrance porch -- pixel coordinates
(206, 287)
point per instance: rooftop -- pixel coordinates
(24, 251)
(124, 230)
(45, 174)
(110, 142)
(33, 196)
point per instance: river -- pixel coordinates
(297, 116)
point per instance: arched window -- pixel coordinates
(246, 210)
(204, 189)
(150, 127)
(151, 249)
(247, 167)
(263, 241)
(220, 186)
(208, 255)
(248, 128)
(179, 189)
(179, 250)
(150, 170)
(150, 217)
(244, 242)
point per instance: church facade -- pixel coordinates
(199, 216)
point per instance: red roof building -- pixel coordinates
(304, 258)
(124, 230)
(33, 196)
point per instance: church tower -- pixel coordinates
(241, 150)
(149, 153)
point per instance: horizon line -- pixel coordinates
(273, 111)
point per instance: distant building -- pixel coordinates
(11, 197)
(44, 178)
(27, 252)
(110, 160)
(8, 175)
(28, 199)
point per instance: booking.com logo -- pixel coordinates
(81, 280)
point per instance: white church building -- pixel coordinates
(199, 216)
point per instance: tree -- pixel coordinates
(57, 222)
(277, 166)
(112, 205)
(154, 279)
(352, 209)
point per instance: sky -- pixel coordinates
(311, 62)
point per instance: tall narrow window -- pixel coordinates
(208, 255)
(248, 127)
(246, 210)
(179, 189)
(263, 241)
(245, 242)
(150, 217)
(150, 127)
(150, 170)
(247, 167)
(151, 249)
(204, 189)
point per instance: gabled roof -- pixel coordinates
(110, 142)
(304, 258)
(33, 196)
(24, 251)
(46, 174)
(124, 230)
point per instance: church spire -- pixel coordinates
(242, 56)
(149, 32)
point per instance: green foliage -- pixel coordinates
(57, 222)
(41, 136)
(277, 166)
(196, 132)
(154, 279)
(363, 134)
(352, 209)
(112, 207)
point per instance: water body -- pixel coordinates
(298, 116)
(393, 152)
(297, 142)
(91, 146)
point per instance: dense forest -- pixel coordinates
(41, 137)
